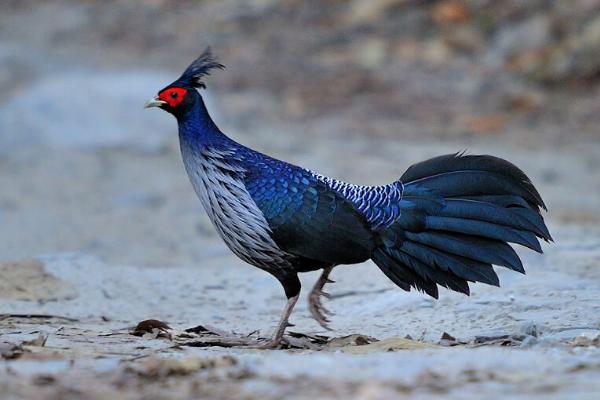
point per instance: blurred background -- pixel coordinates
(355, 89)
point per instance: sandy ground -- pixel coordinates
(173, 268)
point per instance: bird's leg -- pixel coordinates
(275, 341)
(291, 285)
(314, 298)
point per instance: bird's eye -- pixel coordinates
(174, 95)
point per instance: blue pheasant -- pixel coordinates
(445, 222)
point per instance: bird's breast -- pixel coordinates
(234, 214)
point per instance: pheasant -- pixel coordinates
(447, 221)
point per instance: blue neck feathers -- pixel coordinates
(196, 127)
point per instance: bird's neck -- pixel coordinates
(196, 127)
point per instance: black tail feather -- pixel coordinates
(484, 229)
(475, 183)
(458, 214)
(477, 248)
(464, 268)
(515, 217)
(453, 163)
(401, 274)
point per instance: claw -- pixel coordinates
(325, 324)
(314, 300)
(317, 310)
(323, 310)
(271, 344)
(323, 321)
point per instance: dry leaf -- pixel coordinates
(152, 327)
(40, 341)
(206, 329)
(10, 351)
(586, 341)
(351, 340)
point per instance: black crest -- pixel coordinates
(192, 76)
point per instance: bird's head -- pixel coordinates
(178, 97)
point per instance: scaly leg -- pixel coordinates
(314, 299)
(283, 323)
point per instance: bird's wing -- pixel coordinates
(307, 218)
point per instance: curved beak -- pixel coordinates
(154, 102)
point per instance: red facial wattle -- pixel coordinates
(173, 96)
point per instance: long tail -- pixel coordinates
(458, 214)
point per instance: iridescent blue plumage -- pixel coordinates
(300, 209)
(313, 217)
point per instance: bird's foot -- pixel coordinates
(268, 344)
(277, 340)
(317, 309)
